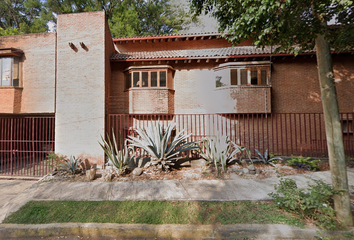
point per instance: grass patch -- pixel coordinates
(151, 212)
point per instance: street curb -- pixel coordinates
(168, 231)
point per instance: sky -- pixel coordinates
(207, 23)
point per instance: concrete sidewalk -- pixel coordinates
(237, 189)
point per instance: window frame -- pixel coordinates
(234, 74)
(12, 73)
(249, 75)
(130, 71)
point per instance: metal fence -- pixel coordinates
(282, 134)
(25, 142)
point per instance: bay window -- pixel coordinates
(149, 77)
(242, 74)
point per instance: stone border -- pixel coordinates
(168, 231)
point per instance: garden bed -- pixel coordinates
(193, 170)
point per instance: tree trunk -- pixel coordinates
(334, 132)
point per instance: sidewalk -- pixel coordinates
(237, 189)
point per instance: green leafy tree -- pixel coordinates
(129, 17)
(9, 31)
(304, 24)
(27, 16)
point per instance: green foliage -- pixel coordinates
(10, 31)
(130, 17)
(27, 16)
(220, 151)
(315, 203)
(119, 158)
(125, 17)
(304, 163)
(285, 24)
(71, 165)
(159, 145)
(267, 159)
(53, 159)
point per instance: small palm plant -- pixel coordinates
(119, 158)
(70, 165)
(220, 151)
(163, 150)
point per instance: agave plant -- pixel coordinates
(220, 151)
(266, 159)
(163, 150)
(119, 158)
(70, 165)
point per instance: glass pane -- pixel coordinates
(136, 79)
(153, 79)
(254, 78)
(6, 72)
(244, 77)
(233, 76)
(264, 77)
(128, 80)
(15, 73)
(145, 79)
(162, 79)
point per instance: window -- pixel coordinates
(254, 76)
(347, 126)
(138, 77)
(9, 71)
(242, 74)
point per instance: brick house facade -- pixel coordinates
(81, 76)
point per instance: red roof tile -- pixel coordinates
(193, 53)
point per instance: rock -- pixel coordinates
(253, 172)
(251, 167)
(286, 167)
(137, 171)
(235, 168)
(91, 174)
(258, 171)
(244, 162)
(245, 170)
(198, 163)
(107, 175)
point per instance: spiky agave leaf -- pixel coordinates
(119, 158)
(70, 165)
(157, 143)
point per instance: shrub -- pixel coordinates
(304, 163)
(219, 151)
(315, 203)
(119, 158)
(163, 150)
(54, 160)
(70, 165)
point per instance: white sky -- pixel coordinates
(207, 23)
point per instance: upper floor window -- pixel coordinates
(242, 74)
(151, 77)
(9, 71)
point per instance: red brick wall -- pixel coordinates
(37, 72)
(149, 101)
(10, 100)
(295, 87)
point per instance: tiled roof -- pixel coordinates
(169, 36)
(193, 53)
